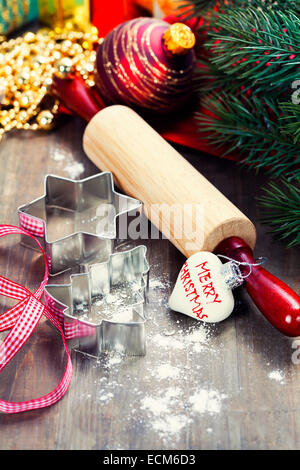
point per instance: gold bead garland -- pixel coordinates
(27, 65)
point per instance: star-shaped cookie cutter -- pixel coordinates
(103, 309)
(76, 219)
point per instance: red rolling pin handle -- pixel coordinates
(73, 92)
(276, 301)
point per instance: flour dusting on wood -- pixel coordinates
(165, 398)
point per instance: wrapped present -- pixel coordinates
(15, 13)
(69, 14)
(106, 15)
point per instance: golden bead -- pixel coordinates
(87, 45)
(45, 119)
(69, 25)
(94, 30)
(23, 77)
(23, 116)
(63, 67)
(4, 121)
(29, 37)
(56, 55)
(55, 108)
(48, 82)
(7, 70)
(65, 45)
(27, 99)
(76, 49)
(39, 60)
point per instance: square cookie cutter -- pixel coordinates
(76, 220)
(103, 309)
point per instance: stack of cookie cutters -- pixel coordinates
(77, 222)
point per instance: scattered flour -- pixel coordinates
(198, 335)
(207, 401)
(170, 394)
(74, 170)
(163, 412)
(156, 283)
(58, 156)
(66, 163)
(167, 342)
(169, 425)
(106, 397)
(114, 359)
(278, 376)
(195, 340)
(157, 406)
(166, 371)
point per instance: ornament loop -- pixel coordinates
(232, 274)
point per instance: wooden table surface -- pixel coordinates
(228, 386)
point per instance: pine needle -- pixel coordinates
(280, 205)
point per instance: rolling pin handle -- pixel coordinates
(276, 301)
(73, 92)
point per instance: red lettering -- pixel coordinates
(201, 265)
(190, 286)
(205, 277)
(209, 289)
(185, 277)
(190, 289)
(216, 300)
(202, 316)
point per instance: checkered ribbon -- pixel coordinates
(32, 224)
(22, 319)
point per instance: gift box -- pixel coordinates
(15, 13)
(70, 14)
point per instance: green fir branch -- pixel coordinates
(250, 128)
(209, 79)
(280, 205)
(246, 86)
(291, 121)
(260, 48)
(212, 9)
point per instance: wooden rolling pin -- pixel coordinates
(145, 166)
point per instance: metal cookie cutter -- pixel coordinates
(76, 219)
(103, 309)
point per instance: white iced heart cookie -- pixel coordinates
(201, 291)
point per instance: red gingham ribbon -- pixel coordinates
(22, 319)
(33, 225)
